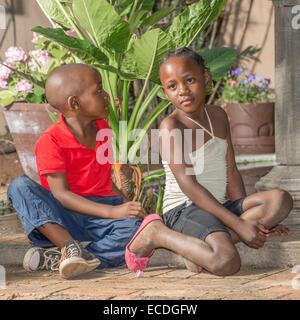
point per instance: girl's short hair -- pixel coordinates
(185, 52)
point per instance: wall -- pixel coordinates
(251, 22)
(246, 22)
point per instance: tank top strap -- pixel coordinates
(211, 133)
(210, 125)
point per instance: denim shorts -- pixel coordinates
(37, 206)
(196, 222)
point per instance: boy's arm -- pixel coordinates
(59, 186)
(235, 185)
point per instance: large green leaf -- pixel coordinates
(194, 19)
(157, 16)
(102, 22)
(51, 9)
(219, 60)
(82, 47)
(145, 53)
(6, 98)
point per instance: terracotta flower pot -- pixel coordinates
(26, 122)
(252, 127)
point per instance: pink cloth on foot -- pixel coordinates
(134, 262)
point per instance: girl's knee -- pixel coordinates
(226, 264)
(284, 201)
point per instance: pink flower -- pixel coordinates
(24, 86)
(4, 72)
(67, 32)
(15, 54)
(234, 82)
(36, 37)
(3, 84)
(41, 56)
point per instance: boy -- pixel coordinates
(76, 201)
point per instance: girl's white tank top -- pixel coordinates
(210, 171)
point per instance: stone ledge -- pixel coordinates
(277, 252)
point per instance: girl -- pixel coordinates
(207, 212)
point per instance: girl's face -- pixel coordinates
(184, 83)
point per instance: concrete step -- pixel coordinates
(277, 252)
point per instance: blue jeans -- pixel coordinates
(37, 206)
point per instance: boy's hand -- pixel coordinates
(130, 209)
(252, 233)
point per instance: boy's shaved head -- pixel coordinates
(66, 81)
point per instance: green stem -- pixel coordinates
(111, 95)
(213, 36)
(132, 11)
(137, 106)
(71, 21)
(141, 96)
(146, 103)
(124, 109)
(144, 128)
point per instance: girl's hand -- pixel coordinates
(282, 230)
(252, 233)
(130, 209)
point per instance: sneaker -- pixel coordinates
(38, 258)
(76, 260)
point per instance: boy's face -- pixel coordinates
(93, 102)
(184, 83)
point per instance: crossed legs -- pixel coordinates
(268, 208)
(217, 254)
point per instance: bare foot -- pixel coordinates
(282, 230)
(144, 243)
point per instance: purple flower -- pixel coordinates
(155, 190)
(245, 90)
(260, 78)
(24, 86)
(268, 80)
(243, 81)
(236, 72)
(15, 54)
(4, 72)
(250, 77)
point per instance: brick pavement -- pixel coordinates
(158, 283)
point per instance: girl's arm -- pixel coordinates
(235, 185)
(249, 232)
(59, 186)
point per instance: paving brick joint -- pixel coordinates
(270, 273)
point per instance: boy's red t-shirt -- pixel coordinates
(57, 150)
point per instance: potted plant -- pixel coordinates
(249, 103)
(120, 39)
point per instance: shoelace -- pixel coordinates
(51, 262)
(73, 250)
